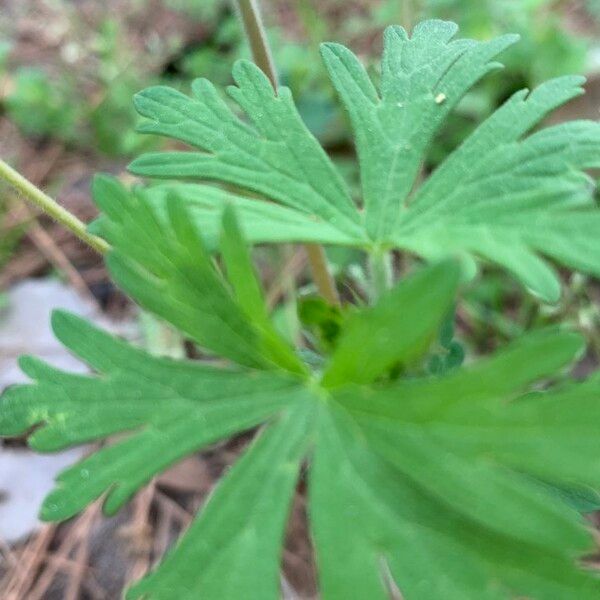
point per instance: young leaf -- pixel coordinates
(322, 320)
(396, 330)
(161, 261)
(502, 196)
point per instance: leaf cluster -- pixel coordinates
(443, 485)
(506, 195)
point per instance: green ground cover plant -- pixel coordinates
(481, 201)
(441, 480)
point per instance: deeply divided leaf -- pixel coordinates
(169, 408)
(440, 487)
(161, 260)
(275, 154)
(422, 79)
(503, 195)
(418, 486)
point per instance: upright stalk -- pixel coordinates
(51, 207)
(257, 37)
(263, 58)
(321, 275)
(380, 273)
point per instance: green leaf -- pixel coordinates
(239, 545)
(425, 485)
(455, 356)
(503, 196)
(260, 221)
(397, 534)
(437, 487)
(322, 319)
(248, 291)
(423, 78)
(504, 375)
(276, 155)
(513, 198)
(170, 409)
(240, 270)
(582, 500)
(161, 261)
(398, 329)
(452, 353)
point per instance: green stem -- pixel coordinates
(263, 58)
(255, 31)
(380, 273)
(321, 275)
(50, 207)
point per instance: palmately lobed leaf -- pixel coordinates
(422, 79)
(161, 260)
(433, 487)
(439, 486)
(276, 155)
(503, 195)
(170, 409)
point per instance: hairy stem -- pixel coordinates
(263, 58)
(261, 52)
(50, 207)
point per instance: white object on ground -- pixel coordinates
(27, 477)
